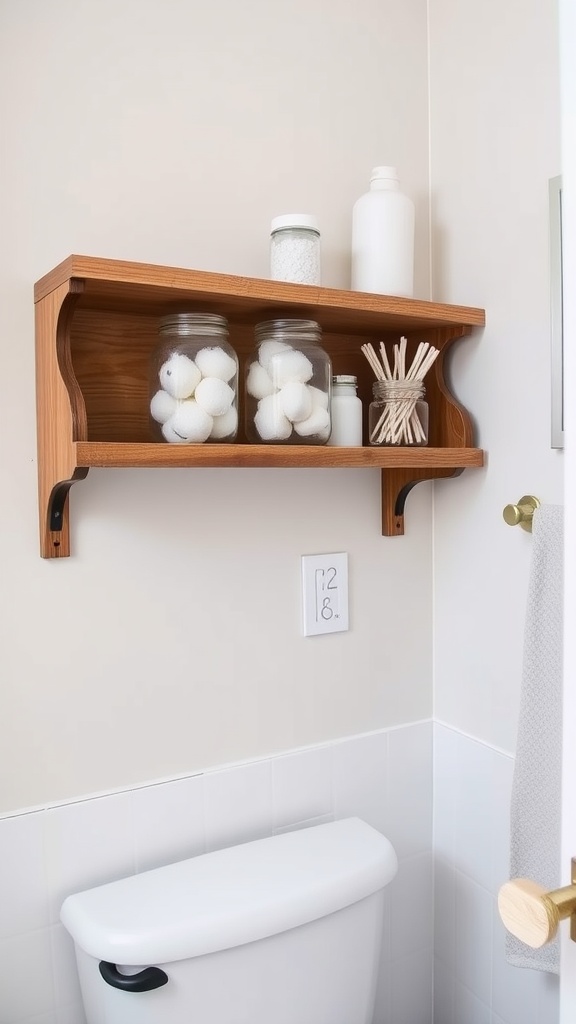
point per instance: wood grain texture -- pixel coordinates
(58, 412)
(527, 912)
(121, 285)
(532, 914)
(110, 355)
(97, 326)
(190, 456)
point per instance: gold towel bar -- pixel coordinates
(521, 514)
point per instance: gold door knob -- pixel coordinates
(522, 513)
(532, 914)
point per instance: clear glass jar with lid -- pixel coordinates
(194, 380)
(288, 385)
(295, 249)
(398, 414)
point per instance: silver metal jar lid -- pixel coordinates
(193, 323)
(296, 328)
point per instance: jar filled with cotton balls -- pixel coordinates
(194, 381)
(288, 382)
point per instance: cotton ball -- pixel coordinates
(267, 349)
(270, 421)
(318, 396)
(317, 423)
(286, 367)
(226, 425)
(189, 425)
(295, 401)
(162, 406)
(214, 396)
(215, 362)
(170, 435)
(179, 375)
(258, 383)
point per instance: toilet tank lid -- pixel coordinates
(230, 897)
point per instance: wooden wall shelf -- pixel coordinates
(97, 323)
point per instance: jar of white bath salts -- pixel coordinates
(194, 381)
(295, 249)
(288, 385)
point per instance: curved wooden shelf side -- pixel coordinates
(60, 416)
(455, 423)
(451, 429)
(65, 365)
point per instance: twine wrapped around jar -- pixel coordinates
(399, 415)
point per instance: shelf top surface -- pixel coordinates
(122, 285)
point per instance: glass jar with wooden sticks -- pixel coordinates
(398, 414)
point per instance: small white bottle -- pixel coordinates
(383, 237)
(346, 413)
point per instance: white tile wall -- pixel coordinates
(468, 1008)
(411, 989)
(302, 786)
(473, 983)
(411, 909)
(24, 957)
(87, 843)
(168, 822)
(71, 1014)
(357, 764)
(384, 778)
(238, 804)
(22, 856)
(409, 789)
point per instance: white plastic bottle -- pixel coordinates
(346, 413)
(383, 237)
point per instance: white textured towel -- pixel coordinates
(535, 809)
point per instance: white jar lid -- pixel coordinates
(295, 220)
(344, 378)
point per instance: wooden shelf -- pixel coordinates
(145, 288)
(117, 455)
(97, 323)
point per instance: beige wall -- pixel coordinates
(495, 144)
(171, 132)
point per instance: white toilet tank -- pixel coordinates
(284, 930)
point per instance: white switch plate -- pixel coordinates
(325, 593)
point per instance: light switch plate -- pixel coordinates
(325, 593)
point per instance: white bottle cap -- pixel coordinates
(384, 173)
(344, 378)
(295, 220)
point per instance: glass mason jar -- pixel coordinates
(194, 381)
(398, 415)
(295, 249)
(288, 385)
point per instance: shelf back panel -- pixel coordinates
(111, 355)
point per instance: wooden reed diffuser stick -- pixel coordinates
(399, 422)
